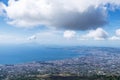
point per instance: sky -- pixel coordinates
(60, 22)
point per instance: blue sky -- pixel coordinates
(65, 22)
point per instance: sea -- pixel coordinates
(17, 54)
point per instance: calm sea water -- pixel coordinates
(23, 54)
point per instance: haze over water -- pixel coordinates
(22, 54)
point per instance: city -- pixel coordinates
(99, 61)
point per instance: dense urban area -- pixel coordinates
(94, 63)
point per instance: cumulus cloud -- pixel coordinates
(117, 35)
(114, 38)
(46, 36)
(118, 32)
(33, 37)
(54, 37)
(2, 7)
(69, 34)
(98, 34)
(63, 14)
(74, 20)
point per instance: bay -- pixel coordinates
(22, 54)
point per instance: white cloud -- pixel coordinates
(46, 36)
(114, 38)
(69, 34)
(67, 14)
(117, 35)
(2, 7)
(33, 37)
(118, 32)
(98, 34)
(54, 37)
